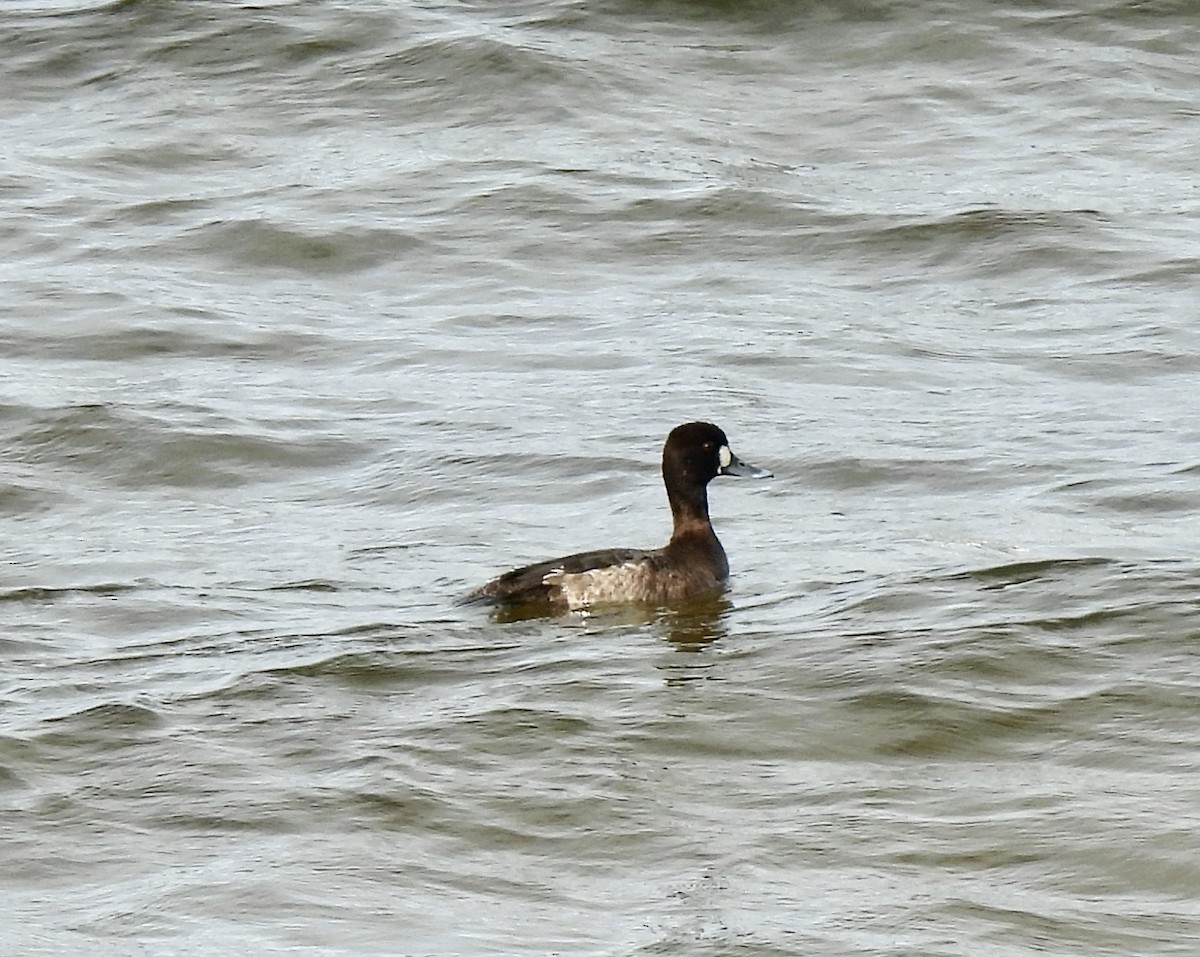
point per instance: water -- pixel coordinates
(317, 315)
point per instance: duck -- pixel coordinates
(691, 564)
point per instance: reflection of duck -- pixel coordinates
(691, 563)
(692, 625)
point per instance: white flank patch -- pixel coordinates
(615, 583)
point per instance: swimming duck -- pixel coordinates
(691, 563)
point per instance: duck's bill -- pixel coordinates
(739, 469)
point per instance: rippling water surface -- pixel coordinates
(316, 315)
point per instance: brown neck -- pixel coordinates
(693, 541)
(689, 512)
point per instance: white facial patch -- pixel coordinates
(726, 456)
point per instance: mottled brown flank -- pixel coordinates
(652, 579)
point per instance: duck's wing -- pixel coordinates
(539, 583)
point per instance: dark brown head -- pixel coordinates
(695, 454)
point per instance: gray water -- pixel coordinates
(316, 315)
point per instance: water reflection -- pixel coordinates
(693, 625)
(689, 626)
(693, 628)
